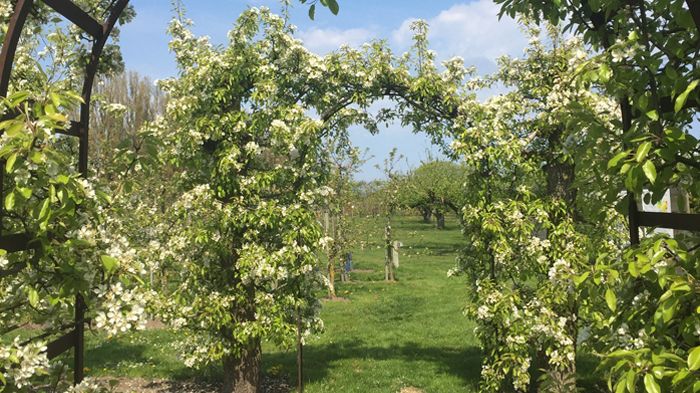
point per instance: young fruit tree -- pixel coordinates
(434, 188)
(531, 225)
(390, 203)
(344, 160)
(648, 60)
(242, 235)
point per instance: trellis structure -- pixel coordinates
(100, 32)
(16, 242)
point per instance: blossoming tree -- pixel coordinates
(531, 225)
(648, 61)
(240, 131)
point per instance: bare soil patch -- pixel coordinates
(411, 389)
(155, 324)
(140, 385)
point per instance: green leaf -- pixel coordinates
(611, 299)
(651, 385)
(50, 109)
(620, 386)
(616, 160)
(650, 171)
(33, 296)
(15, 98)
(631, 380)
(683, 97)
(605, 73)
(643, 102)
(694, 359)
(62, 179)
(44, 209)
(653, 115)
(312, 11)
(57, 117)
(15, 129)
(333, 6)
(26, 192)
(680, 376)
(10, 164)
(110, 263)
(55, 99)
(642, 151)
(632, 268)
(10, 201)
(581, 278)
(668, 309)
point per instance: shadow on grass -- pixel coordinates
(319, 360)
(126, 359)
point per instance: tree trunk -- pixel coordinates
(440, 224)
(427, 215)
(388, 267)
(242, 374)
(331, 278)
(560, 185)
(343, 271)
(560, 178)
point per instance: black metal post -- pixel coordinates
(300, 354)
(79, 349)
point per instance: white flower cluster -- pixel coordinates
(551, 330)
(5, 11)
(19, 363)
(122, 310)
(624, 50)
(4, 261)
(325, 242)
(560, 271)
(625, 339)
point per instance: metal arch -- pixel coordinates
(100, 32)
(89, 80)
(9, 47)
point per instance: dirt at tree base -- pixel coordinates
(411, 389)
(141, 385)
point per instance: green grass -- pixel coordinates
(393, 335)
(380, 338)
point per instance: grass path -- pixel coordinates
(388, 336)
(383, 338)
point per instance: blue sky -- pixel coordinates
(469, 29)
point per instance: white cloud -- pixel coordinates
(322, 41)
(471, 30)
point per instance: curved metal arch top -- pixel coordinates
(100, 32)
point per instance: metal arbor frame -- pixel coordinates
(100, 32)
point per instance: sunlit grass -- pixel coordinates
(380, 337)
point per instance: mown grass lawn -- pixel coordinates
(381, 337)
(387, 336)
